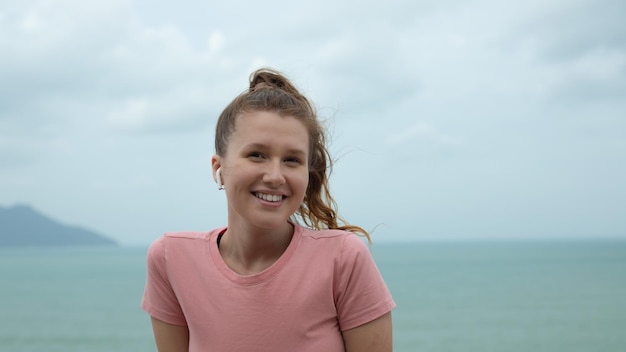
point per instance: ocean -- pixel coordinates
(451, 296)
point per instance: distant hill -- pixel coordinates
(22, 225)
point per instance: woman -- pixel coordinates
(284, 274)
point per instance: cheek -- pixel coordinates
(301, 181)
(305, 182)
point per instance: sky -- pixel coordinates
(448, 120)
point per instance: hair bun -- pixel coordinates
(268, 78)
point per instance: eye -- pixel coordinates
(255, 156)
(293, 161)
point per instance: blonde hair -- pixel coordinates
(270, 91)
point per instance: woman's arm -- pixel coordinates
(170, 338)
(375, 336)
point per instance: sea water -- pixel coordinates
(473, 296)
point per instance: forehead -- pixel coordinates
(270, 129)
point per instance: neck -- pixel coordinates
(249, 250)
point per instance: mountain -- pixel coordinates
(22, 225)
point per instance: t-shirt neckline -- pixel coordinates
(264, 275)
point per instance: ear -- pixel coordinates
(215, 164)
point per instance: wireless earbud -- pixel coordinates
(218, 176)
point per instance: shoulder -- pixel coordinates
(187, 236)
(175, 241)
(345, 243)
(328, 234)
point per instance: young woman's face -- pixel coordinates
(265, 170)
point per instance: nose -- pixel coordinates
(274, 174)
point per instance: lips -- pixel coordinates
(269, 197)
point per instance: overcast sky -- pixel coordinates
(449, 119)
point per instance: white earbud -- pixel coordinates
(218, 176)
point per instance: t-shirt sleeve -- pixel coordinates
(159, 299)
(361, 293)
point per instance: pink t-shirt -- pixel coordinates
(325, 282)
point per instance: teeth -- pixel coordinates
(269, 197)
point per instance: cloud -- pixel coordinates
(568, 32)
(63, 63)
(425, 131)
(348, 63)
(175, 112)
(595, 76)
(116, 98)
(574, 51)
(215, 42)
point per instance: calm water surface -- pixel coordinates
(526, 296)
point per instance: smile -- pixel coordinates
(269, 197)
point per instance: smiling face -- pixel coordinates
(265, 169)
